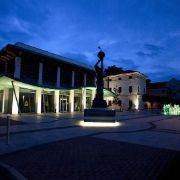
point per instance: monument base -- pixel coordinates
(99, 103)
(99, 115)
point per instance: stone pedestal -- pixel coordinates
(99, 115)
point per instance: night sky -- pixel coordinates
(142, 35)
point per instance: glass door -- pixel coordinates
(63, 103)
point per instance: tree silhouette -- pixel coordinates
(113, 70)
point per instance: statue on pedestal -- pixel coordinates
(99, 111)
(99, 101)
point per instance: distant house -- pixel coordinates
(128, 87)
(160, 93)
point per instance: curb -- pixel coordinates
(10, 172)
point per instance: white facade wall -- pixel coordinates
(137, 82)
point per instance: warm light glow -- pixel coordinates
(137, 103)
(168, 109)
(99, 124)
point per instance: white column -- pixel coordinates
(38, 101)
(40, 77)
(58, 79)
(56, 101)
(93, 94)
(14, 101)
(17, 69)
(5, 100)
(85, 80)
(71, 100)
(84, 98)
(73, 76)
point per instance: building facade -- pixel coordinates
(128, 87)
(35, 81)
(160, 93)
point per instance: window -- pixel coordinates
(119, 78)
(130, 77)
(110, 79)
(130, 89)
(120, 89)
(138, 88)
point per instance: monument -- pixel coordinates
(99, 111)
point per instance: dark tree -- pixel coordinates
(148, 81)
(113, 70)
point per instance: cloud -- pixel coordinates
(150, 51)
(153, 48)
(144, 55)
(76, 56)
(163, 73)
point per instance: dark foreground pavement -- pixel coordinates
(92, 158)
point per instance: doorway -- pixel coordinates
(64, 103)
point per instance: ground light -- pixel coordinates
(168, 109)
(99, 124)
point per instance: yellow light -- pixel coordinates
(99, 124)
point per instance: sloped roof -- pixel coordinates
(127, 72)
(39, 51)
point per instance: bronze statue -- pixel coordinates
(99, 102)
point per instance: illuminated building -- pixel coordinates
(35, 81)
(129, 87)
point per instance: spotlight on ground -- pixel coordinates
(99, 124)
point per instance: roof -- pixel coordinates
(157, 85)
(127, 73)
(34, 50)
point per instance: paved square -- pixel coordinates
(91, 158)
(142, 147)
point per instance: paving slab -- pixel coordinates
(149, 138)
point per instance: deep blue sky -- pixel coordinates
(141, 35)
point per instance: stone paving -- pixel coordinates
(91, 158)
(150, 130)
(144, 128)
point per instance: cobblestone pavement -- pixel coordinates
(92, 158)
